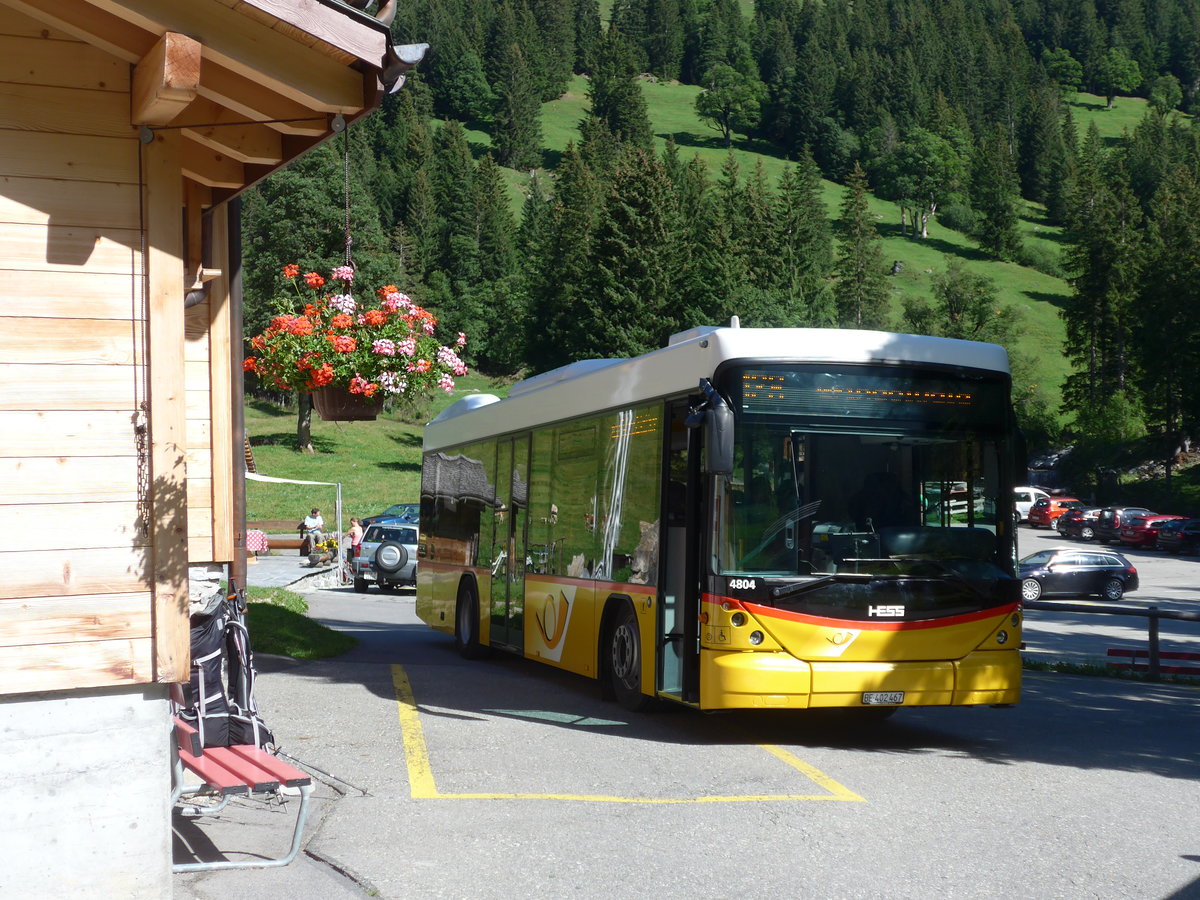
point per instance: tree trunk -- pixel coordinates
(304, 422)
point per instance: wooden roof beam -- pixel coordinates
(246, 96)
(210, 169)
(261, 54)
(83, 21)
(251, 100)
(224, 131)
(166, 79)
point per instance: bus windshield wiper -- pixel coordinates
(802, 587)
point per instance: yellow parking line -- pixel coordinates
(423, 787)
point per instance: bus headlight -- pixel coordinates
(1016, 620)
(738, 619)
(1001, 637)
(756, 638)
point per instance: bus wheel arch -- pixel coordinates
(466, 621)
(620, 654)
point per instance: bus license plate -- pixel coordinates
(883, 698)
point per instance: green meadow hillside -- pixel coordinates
(1036, 295)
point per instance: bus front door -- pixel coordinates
(678, 659)
(508, 566)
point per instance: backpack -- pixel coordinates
(223, 711)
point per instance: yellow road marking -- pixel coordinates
(423, 787)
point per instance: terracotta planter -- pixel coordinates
(336, 404)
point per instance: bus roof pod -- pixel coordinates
(464, 406)
(700, 331)
(563, 373)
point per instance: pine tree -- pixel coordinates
(629, 309)
(516, 123)
(1167, 329)
(495, 228)
(804, 240)
(996, 195)
(558, 294)
(457, 75)
(1105, 259)
(556, 37)
(453, 179)
(616, 97)
(587, 34)
(760, 249)
(664, 44)
(628, 22)
(423, 224)
(860, 292)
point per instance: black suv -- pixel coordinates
(1185, 538)
(1112, 519)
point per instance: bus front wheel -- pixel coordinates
(625, 659)
(466, 624)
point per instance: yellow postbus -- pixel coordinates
(745, 518)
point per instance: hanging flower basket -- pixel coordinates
(351, 355)
(336, 404)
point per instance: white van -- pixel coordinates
(1023, 499)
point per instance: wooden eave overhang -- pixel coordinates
(250, 84)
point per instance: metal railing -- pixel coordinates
(1151, 613)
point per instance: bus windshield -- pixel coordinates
(864, 471)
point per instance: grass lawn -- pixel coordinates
(278, 621)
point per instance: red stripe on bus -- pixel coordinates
(868, 624)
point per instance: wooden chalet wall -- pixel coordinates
(76, 563)
(125, 125)
(210, 441)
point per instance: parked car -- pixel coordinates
(1070, 572)
(1023, 499)
(1044, 511)
(1079, 522)
(386, 557)
(397, 512)
(1180, 537)
(1112, 519)
(1142, 531)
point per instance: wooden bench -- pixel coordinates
(1180, 663)
(227, 772)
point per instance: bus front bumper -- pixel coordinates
(754, 680)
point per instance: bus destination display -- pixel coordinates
(856, 396)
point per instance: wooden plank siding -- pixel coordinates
(78, 582)
(198, 406)
(117, 449)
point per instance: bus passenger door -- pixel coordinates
(508, 566)
(678, 658)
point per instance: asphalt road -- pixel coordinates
(505, 778)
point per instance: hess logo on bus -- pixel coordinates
(885, 610)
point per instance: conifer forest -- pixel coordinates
(955, 113)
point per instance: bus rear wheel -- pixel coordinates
(466, 624)
(624, 649)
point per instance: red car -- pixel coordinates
(1142, 531)
(1043, 513)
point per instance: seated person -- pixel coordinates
(312, 527)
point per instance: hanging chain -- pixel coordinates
(346, 170)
